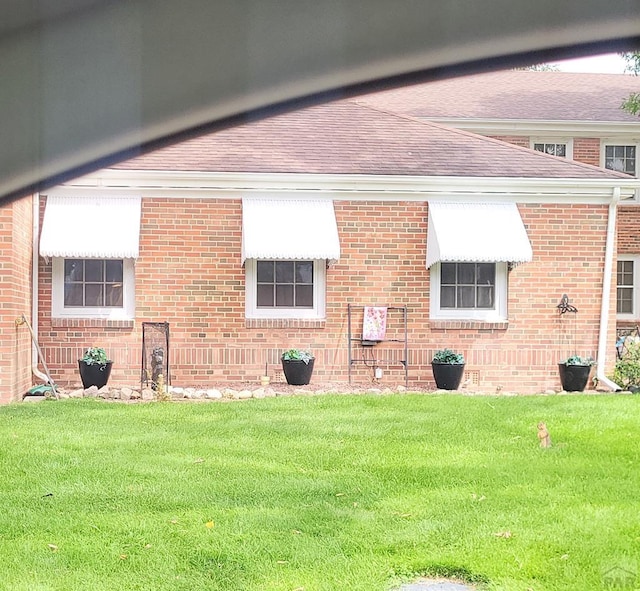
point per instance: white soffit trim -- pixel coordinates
(91, 227)
(476, 232)
(282, 228)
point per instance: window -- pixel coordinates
(285, 288)
(467, 286)
(474, 291)
(626, 292)
(93, 288)
(551, 148)
(621, 158)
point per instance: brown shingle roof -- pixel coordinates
(516, 94)
(348, 138)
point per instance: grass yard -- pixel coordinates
(326, 493)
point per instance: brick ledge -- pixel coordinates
(92, 323)
(468, 325)
(283, 323)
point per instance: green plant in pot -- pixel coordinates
(448, 368)
(574, 373)
(297, 365)
(94, 367)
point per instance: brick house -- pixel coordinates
(278, 233)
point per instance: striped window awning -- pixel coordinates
(91, 227)
(476, 232)
(283, 228)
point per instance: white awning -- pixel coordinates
(91, 227)
(476, 232)
(281, 228)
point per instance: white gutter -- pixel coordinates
(606, 293)
(34, 289)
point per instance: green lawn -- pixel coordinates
(334, 493)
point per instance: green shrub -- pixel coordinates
(627, 371)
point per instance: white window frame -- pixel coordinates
(618, 142)
(497, 314)
(318, 311)
(635, 259)
(554, 140)
(126, 312)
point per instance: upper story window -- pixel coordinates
(93, 288)
(621, 158)
(285, 288)
(552, 148)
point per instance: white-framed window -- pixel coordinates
(560, 147)
(93, 288)
(621, 157)
(627, 281)
(469, 291)
(285, 288)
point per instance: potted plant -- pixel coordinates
(574, 373)
(95, 367)
(448, 367)
(297, 366)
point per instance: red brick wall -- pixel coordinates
(516, 140)
(189, 274)
(587, 150)
(15, 269)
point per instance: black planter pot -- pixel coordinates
(297, 372)
(574, 378)
(95, 374)
(447, 375)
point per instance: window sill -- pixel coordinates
(468, 325)
(92, 323)
(284, 323)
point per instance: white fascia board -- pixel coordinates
(540, 127)
(215, 185)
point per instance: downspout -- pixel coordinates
(606, 292)
(35, 288)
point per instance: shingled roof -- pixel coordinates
(516, 95)
(349, 138)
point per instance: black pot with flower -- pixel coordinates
(297, 365)
(448, 368)
(574, 373)
(94, 367)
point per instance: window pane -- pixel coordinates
(72, 295)
(447, 297)
(625, 272)
(93, 295)
(486, 273)
(624, 301)
(466, 273)
(485, 297)
(114, 271)
(466, 297)
(265, 296)
(304, 272)
(448, 274)
(284, 272)
(265, 272)
(561, 150)
(73, 270)
(304, 296)
(93, 270)
(284, 295)
(113, 295)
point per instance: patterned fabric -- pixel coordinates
(374, 326)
